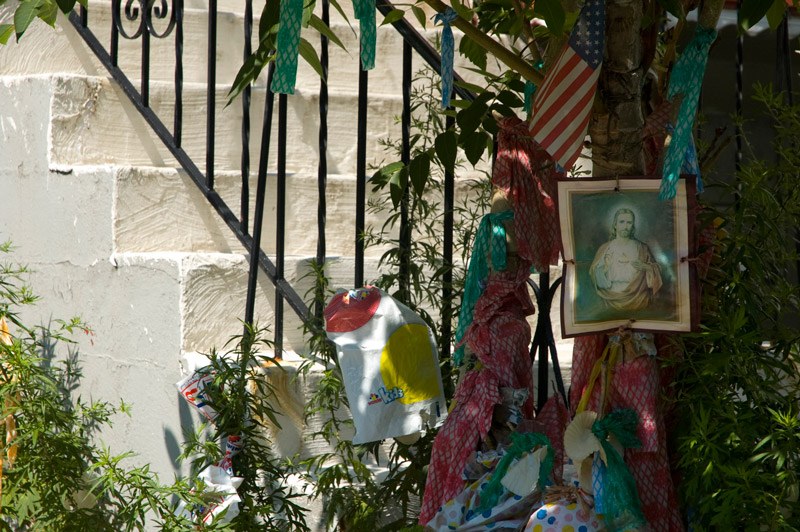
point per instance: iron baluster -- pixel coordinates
(361, 175)
(211, 91)
(246, 95)
(447, 255)
(280, 222)
(405, 156)
(261, 192)
(544, 343)
(178, 119)
(322, 171)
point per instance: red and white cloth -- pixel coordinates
(528, 176)
(499, 336)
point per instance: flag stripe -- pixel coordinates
(578, 104)
(568, 60)
(567, 97)
(544, 90)
(574, 147)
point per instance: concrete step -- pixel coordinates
(45, 50)
(94, 123)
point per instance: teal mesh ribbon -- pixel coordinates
(520, 444)
(620, 496)
(687, 78)
(691, 165)
(491, 234)
(288, 47)
(448, 51)
(365, 13)
(530, 90)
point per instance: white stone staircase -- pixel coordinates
(116, 232)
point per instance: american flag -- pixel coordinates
(563, 105)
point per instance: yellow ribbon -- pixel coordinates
(612, 352)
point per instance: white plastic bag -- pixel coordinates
(389, 363)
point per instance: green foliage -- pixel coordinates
(752, 11)
(89, 488)
(27, 11)
(79, 489)
(739, 386)
(244, 400)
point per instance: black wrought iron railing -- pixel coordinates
(163, 19)
(147, 16)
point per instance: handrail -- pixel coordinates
(205, 182)
(294, 300)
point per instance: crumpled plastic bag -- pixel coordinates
(389, 363)
(220, 496)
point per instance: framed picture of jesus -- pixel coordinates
(626, 256)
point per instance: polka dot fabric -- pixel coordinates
(527, 174)
(562, 516)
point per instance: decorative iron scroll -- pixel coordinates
(158, 9)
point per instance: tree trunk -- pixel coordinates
(617, 120)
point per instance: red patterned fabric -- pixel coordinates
(499, 335)
(635, 386)
(464, 428)
(656, 490)
(527, 174)
(654, 134)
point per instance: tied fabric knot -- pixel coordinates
(687, 78)
(288, 47)
(448, 50)
(620, 498)
(520, 444)
(528, 177)
(364, 11)
(530, 90)
(490, 241)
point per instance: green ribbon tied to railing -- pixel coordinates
(521, 443)
(288, 47)
(686, 79)
(364, 11)
(530, 90)
(448, 51)
(491, 236)
(623, 508)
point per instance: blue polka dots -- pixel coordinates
(583, 528)
(541, 514)
(551, 520)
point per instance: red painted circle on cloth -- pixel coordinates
(345, 313)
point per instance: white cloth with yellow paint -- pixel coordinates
(389, 363)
